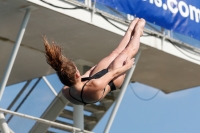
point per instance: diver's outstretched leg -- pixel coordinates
(129, 52)
(134, 44)
(127, 37)
(105, 62)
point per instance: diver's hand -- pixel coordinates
(129, 63)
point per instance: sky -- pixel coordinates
(177, 112)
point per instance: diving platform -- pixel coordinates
(85, 34)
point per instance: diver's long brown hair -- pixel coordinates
(63, 66)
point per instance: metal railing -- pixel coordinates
(33, 99)
(73, 129)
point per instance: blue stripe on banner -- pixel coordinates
(178, 15)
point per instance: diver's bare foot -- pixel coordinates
(132, 25)
(139, 27)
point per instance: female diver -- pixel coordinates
(108, 75)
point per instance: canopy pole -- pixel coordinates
(78, 116)
(3, 125)
(14, 51)
(121, 95)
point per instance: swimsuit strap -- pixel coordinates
(86, 78)
(82, 94)
(74, 97)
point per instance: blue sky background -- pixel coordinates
(177, 112)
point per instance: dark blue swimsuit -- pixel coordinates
(95, 76)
